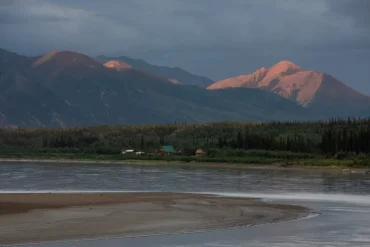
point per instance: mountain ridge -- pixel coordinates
(175, 74)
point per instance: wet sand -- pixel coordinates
(26, 218)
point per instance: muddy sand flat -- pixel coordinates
(51, 216)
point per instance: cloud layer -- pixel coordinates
(172, 25)
(176, 31)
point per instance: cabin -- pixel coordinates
(167, 150)
(199, 153)
(129, 151)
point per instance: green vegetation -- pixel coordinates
(335, 143)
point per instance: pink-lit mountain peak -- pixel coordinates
(284, 66)
(288, 80)
(117, 64)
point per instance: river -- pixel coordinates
(340, 202)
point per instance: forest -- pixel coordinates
(333, 139)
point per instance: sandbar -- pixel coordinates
(31, 217)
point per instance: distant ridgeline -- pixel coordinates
(332, 138)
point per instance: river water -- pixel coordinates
(341, 202)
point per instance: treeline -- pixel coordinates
(355, 140)
(247, 140)
(334, 137)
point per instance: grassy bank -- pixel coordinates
(255, 157)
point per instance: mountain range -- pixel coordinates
(64, 89)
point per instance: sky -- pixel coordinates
(214, 38)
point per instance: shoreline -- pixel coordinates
(35, 218)
(194, 165)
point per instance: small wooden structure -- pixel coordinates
(199, 153)
(129, 151)
(167, 150)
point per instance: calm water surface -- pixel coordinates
(342, 201)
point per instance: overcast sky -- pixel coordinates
(215, 38)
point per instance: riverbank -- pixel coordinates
(237, 158)
(283, 166)
(26, 218)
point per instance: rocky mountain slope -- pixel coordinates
(311, 89)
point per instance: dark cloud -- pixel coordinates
(180, 24)
(14, 18)
(215, 36)
(358, 10)
(5, 3)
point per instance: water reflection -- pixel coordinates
(115, 177)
